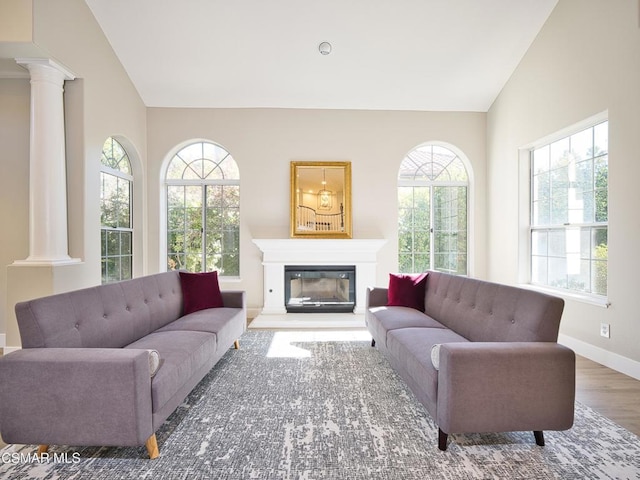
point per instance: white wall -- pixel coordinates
(101, 102)
(264, 142)
(585, 60)
(14, 179)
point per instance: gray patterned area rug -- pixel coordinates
(325, 405)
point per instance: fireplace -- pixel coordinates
(277, 253)
(320, 288)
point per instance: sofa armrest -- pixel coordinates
(234, 298)
(76, 396)
(376, 297)
(505, 386)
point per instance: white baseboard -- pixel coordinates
(608, 359)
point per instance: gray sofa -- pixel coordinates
(482, 357)
(107, 365)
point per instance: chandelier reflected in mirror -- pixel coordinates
(324, 195)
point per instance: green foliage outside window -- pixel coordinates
(203, 211)
(569, 212)
(116, 195)
(432, 212)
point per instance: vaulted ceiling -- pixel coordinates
(451, 55)
(439, 55)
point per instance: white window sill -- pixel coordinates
(596, 300)
(229, 279)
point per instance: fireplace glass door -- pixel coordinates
(314, 289)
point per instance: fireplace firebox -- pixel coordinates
(320, 288)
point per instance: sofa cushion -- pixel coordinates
(182, 354)
(108, 316)
(200, 291)
(226, 323)
(489, 312)
(411, 348)
(407, 290)
(381, 320)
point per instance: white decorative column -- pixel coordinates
(48, 237)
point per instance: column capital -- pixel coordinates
(46, 62)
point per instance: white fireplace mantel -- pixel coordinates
(276, 253)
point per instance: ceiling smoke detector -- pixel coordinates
(325, 48)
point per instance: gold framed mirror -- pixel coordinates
(321, 199)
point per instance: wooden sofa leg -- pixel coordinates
(373, 342)
(42, 449)
(236, 344)
(539, 438)
(442, 440)
(152, 447)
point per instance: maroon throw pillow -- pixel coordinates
(200, 291)
(407, 290)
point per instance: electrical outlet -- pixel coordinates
(604, 330)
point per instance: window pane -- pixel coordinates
(421, 262)
(194, 262)
(572, 256)
(214, 219)
(113, 243)
(193, 171)
(421, 241)
(601, 193)
(116, 190)
(103, 243)
(541, 160)
(126, 243)
(176, 262)
(124, 203)
(539, 270)
(196, 228)
(125, 268)
(599, 272)
(557, 272)
(229, 168)
(539, 242)
(176, 169)
(557, 243)
(582, 145)
(231, 196)
(446, 246)
(113, 269)
(214, 196)
(405, 262)
(601, 139)
(559, 154)
(109, 200)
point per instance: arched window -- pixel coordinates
(116, 192)
(432, 211)
(203, 210)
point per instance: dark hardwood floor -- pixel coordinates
(610, 393)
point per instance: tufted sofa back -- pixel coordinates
(112, 315)
(488, 312)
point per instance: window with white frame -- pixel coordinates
(569, 212)
(203, 210)
(116, 192)
(433, 211)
